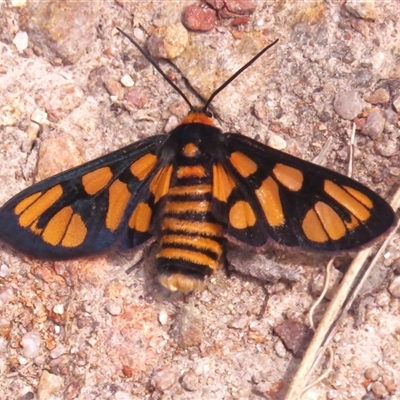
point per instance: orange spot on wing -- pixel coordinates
(159, 186)
(25, 203)
(289, 177)
(313, 228)
(223, 184)
(76, 232)
(243, 164)
(361, 197)
(241, 215)
(56, 227)
(353, 200)
(96, 180)
(118, 199)
(141, 167)
(353, 223)
(268, 196)
(140, 218)
(331, 221)
(40, 205)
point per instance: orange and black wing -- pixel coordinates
(263, 194)
(89, 208)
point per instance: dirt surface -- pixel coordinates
(85, 329)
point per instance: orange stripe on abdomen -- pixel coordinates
(189, 232)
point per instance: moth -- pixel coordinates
(192, 191)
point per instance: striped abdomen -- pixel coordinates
(190, 238)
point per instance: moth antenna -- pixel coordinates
(151, 60)
(236, 74)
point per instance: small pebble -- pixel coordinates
(379, 389)
(164, 378)
(4, 270)
(114, 88)
(241, 7)
(22, 360)
(394, 171)
(168, 41)
(21, 41)
(30, 343)
(171, 123)
(6, 295)
(18, 3)
(364, 9)
(59, 309)
(374, 125)
(199, 18)
(127, 81)
(163, 317)
(113, 308)
(390, 116)
(387, 148)
(280, 349)
(277, 142)
(295, 335)
(139, 34)
(190, 381)
(380, 96)
(39, 116)
(121, 396)
(347, 104)
(390, 385)
(216, 4)
(33, 130)
(49, 384)
(373, 373)
(394, 287)
(58, 351)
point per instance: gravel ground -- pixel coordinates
(72, 89)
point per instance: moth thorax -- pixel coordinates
(181, 282)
